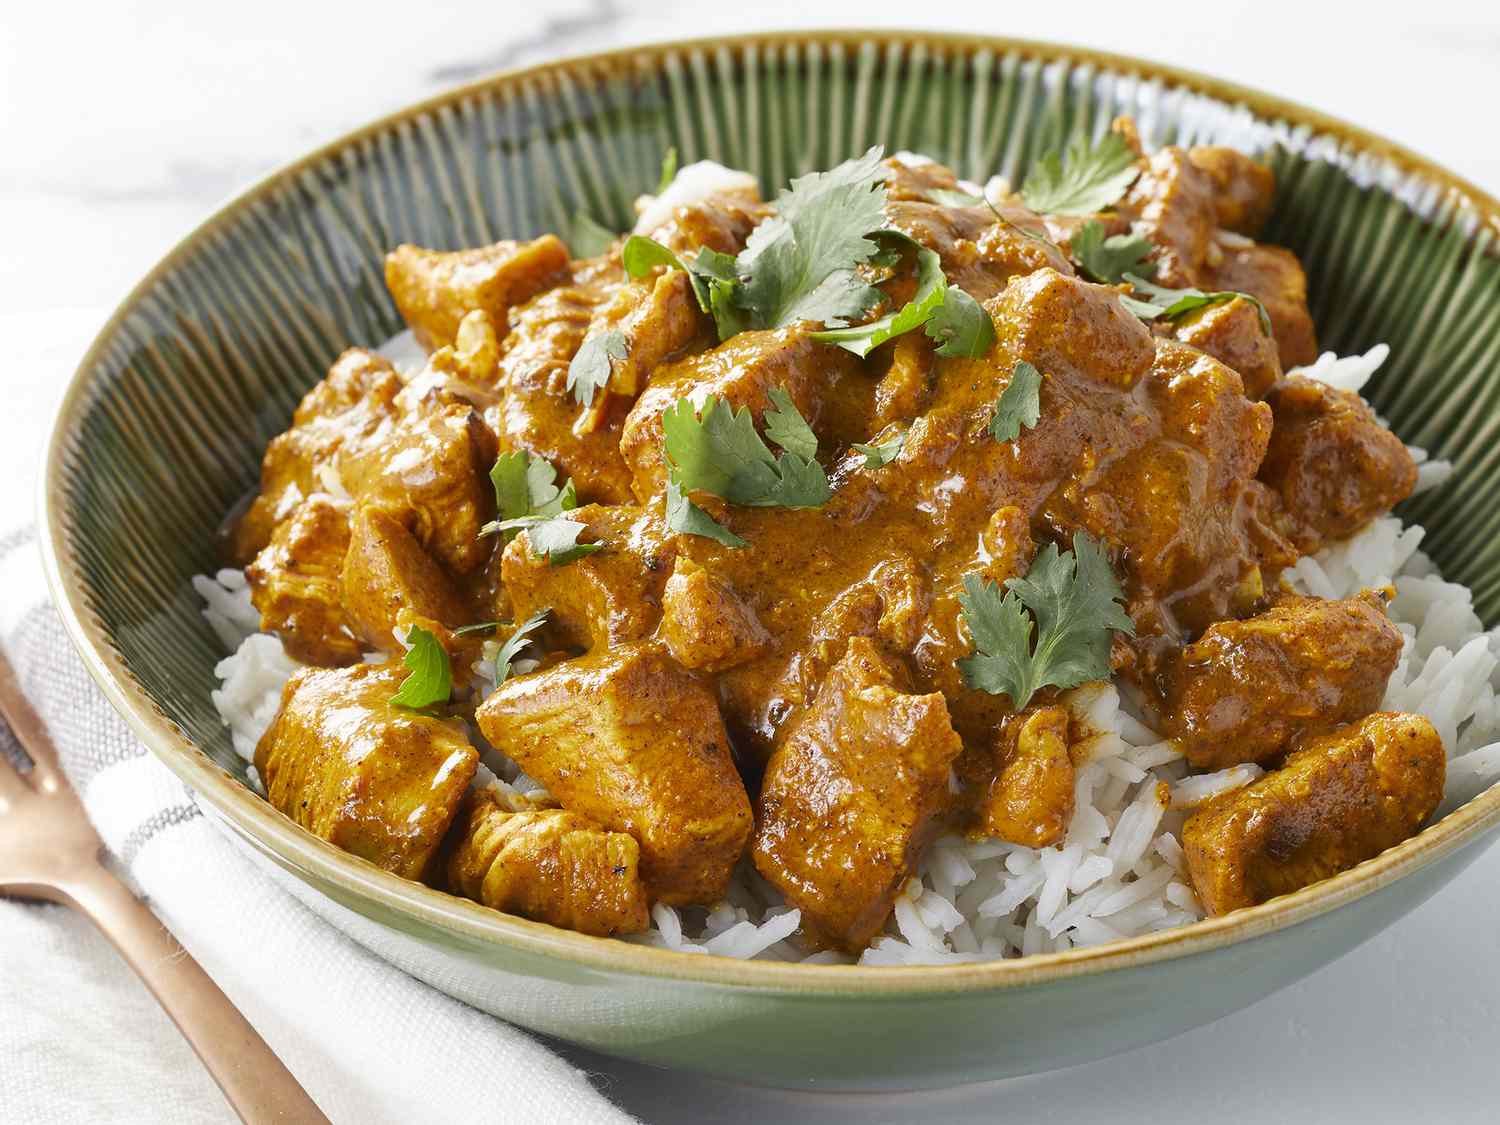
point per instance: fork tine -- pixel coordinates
(27, 726)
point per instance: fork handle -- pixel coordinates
(257, 1084)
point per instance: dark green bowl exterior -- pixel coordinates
(208, 358)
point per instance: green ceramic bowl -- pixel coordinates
(164, 424)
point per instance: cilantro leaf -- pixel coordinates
(932, 290)
(1020, 404)
(956, 197)
(588, 238)
(554, 538)
(686, 517)
(641, 255)
(1107, 260)
(961, 326)
(668, 169)
(518, 641)
(718, 451)
(712, 272)
(786, 426)
(589, 370)
(800, 263)
(527, 486)
(1173, 303)
(1088, 178)
(431, 678)
(880, 454)
(1073, 597)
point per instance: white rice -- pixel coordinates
(1119, 872)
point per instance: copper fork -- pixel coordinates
(49, 850)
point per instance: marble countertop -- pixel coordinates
(126, 123)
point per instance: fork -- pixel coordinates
(50, 851)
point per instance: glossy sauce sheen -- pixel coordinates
(817, 668)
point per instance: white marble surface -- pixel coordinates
(124, 124)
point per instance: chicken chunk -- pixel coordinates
(549, 865)
(852, 797)
(386, 571)
(1274, 275)
(743, 371)
(538, 413)
(704, 624)
(1030, 800)
(1339, 800)
(657, 317)
(430, 471)
(435, 289)
(1244, 189)
(610, 597)
(630, 740)
(295, 583)
(377, 780)
(1246, 691)
(1194, 205)
(1335, 466)
(1232, 333)
(347, 411)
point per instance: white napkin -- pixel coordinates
(369, 1043)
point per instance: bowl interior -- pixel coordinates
(209, 356)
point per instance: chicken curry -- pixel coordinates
(776, 533)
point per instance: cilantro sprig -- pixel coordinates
(518, 640)
(1108, 260)
(1085, 179)
(880, 454)
(554, 538)
(527, 486)
(717, 450)
(1070, 597)
(593, 362)
(430, 681)
(686, 518)
(1170, 304)
(529, 499)
(945, 312)
(1019, 404)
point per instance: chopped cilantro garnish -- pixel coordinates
(800, 263)
(1072, 596)
(1173, 303)
(640, 255)
(1020, 404)
(431, 678)
(588, 372)
(1107, 260)
(527, 486)
(1088, 177)
(961, 326)
(718, 451)
(932, 289)
(687, 518)
(588, 238)
(518, 641)
(668, 169)
(957, 197)
(554, 538)
(880, 454)
(786, 426)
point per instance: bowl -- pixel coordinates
(164, 424)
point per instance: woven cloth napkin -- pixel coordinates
(80, 1038)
